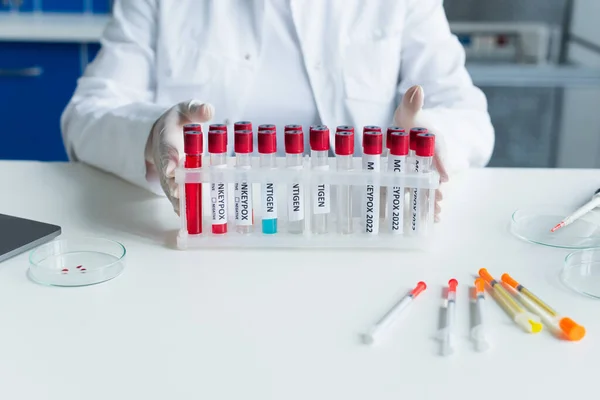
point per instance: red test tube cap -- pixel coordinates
(372, 142)
(242, 126)
(217, 127)
(425, 145)
(398, 143)
(344, 143)
(242, 142)
(452, 284)
(389, 132)
(371, 128)
(193, 141)
(319, 138)
(421, 286)
(267, 141)
(294, 141)
(344, 128)
(292, 127)
(217, 142)
(267, 127)
(413, 136)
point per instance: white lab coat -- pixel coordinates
(361, 56)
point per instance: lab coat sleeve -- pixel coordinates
(454, 108)
(108, 120)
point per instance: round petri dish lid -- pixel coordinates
(534, 224)
(77, 262)
(581, 272)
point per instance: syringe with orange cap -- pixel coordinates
(526, 320)
(390, 317)
(478, 332)
(569, 328)
(446, 334)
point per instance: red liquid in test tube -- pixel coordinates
(193, 146)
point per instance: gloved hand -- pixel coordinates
(410, 114)
(165, 143)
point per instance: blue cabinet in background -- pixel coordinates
(37, 81)
(102, 6)
(61, 6)
(21, 5)
(69, 6)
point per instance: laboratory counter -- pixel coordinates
(258, 324)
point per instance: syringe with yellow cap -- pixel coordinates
(478, 332)
(526, 320)
(571, 330)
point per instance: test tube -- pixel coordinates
(389, 132)
(267, 148)
(319, 159)
(217, 148)
(344, 152)
(382, 190)
(398, 147)
(193, 147)
(243, 146)
(413, 140)
(294, 150)
(381, 327)
(371, 161)
(425, 149)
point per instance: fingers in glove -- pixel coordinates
(195, 112)
(439, 166)
(411, 104)
(439, 196)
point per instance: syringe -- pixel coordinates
(478, 332)
(446, 334)
(569, 328)
(374, 334)
(526, 320)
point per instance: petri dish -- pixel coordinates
(77, 262)
(534, 224)
(581, 272)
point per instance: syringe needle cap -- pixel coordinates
(571, 329)
(506, 278)
(485, 275)
(421, 286)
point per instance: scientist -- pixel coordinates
(165, 63)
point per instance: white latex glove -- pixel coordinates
(164, 148)
(410, 114)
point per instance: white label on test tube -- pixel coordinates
(321, 195)
(243, 202)
(415, 201)
(396, 196)
(218, 199)
(296, 199)
(423, 161)
(269, 205)
(371, 206)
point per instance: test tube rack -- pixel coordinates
(281, 176)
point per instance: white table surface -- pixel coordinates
(282, 324)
